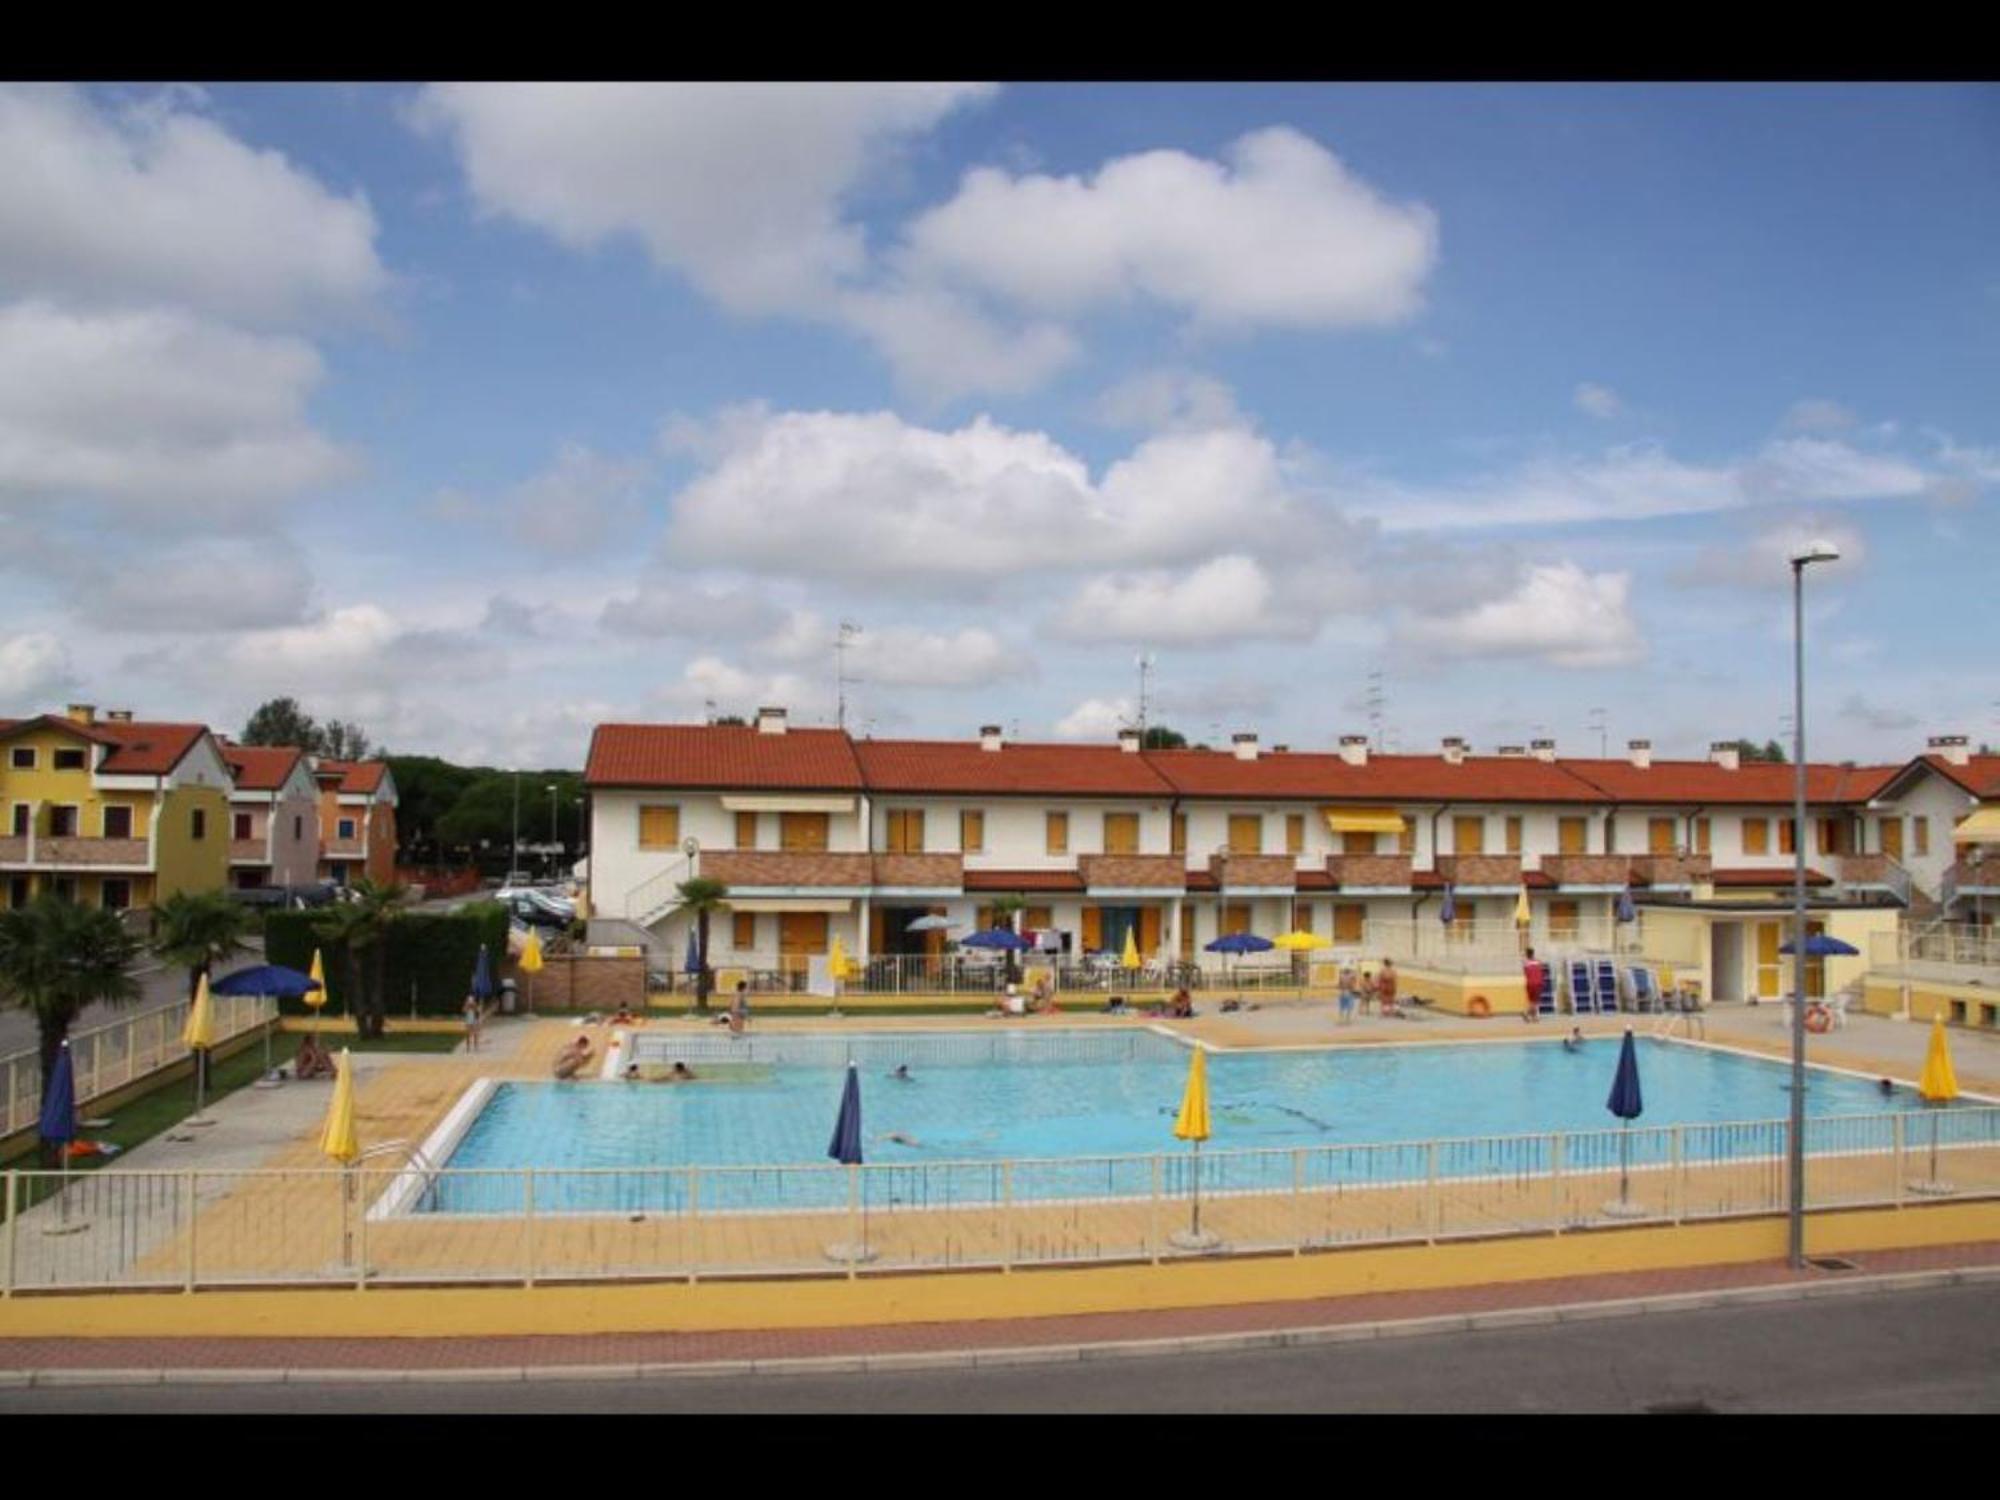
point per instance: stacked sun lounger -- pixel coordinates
(1607, 986)
(1545, 1002)
(1645, 989)
(1582, 988)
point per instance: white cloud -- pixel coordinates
(32, 668)
(736, 186)
(1559, 614)
(1096, 719)
(213, 584)
(1168, 400)
(1280, 233)
(1762, 559)
(1229, 598)
(1599, 401)
(580, 503)
(710, 680)
(669, 605)
(1819, 415)
(942, 347)
(156, 411)
(157, 202)
(1875, 716)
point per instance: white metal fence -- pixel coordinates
(109, 1057)
(1962, 946)
(123, 1229)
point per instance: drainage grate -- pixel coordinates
(1681, 1409)
(1830, 1263)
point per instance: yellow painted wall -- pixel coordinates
(1506, 994)
(183, 862)
(1976, 1005)
(45, 785)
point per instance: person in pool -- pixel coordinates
(1574, 1041)
(1887, 1086)
(901, 1073)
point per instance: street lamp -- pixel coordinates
(555, 867)
(1812, 552)
(514, 848)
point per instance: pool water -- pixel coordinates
(987, 1109)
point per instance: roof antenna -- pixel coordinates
(708, 706)
(1145, 665)
(1376, 703)
(1597, 722)
(841, 642)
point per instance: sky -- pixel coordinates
(485, 413)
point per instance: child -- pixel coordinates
(1348, 994)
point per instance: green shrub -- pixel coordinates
(435, 951)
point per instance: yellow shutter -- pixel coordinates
(1701, 836)
(1058, 833)
(1246, 833)
(1921, 827)
(659, 827)
(1295, 833)
(744, 930)
(1187, 935)
(1563, 920)
(878, 930)
(1787, 836)
(1357, 843)
(1149, 931)
(1093, 929)
(1892, 837)
(972, 831)
(1302, 916)
(1571, 835)
(802, 833)
(1756, 836)
(746, 830)
(1121, 833)
(1235, 918)
(1406, 842)
(1179, 845)
(1468, 835)
(1349, 919)
(1513, 835)
(1659, 835)
(1037, 918)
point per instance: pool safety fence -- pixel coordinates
(117, 1229)
(109, 1057)
(673, 1043)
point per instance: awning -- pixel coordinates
(788, 804)
(1982, 827)
(1362, 820)
(788, 903)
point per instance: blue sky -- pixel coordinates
(485, 413)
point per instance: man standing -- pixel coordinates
(1535, 974)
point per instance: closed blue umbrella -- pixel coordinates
(266, 979)
(693, 963)
(1624, 911)
(845, 1148)
(996, 937)
(58, 1122)
(1448, 913)
(1819, 945)
(483, 988)
(1628, 1104)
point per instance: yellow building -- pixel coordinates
(110, 811)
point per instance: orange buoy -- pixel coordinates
(1819, 1019)
(1479, 1006)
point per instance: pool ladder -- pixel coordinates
(427, 1170)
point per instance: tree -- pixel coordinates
(1007, 913)
(340, 740)
(703, 898)
(57, 957)
(426, 789)
(734, 719)
(359, 929)
(281, 722)
(196, 930)
(1159, 737)
(1750, 750)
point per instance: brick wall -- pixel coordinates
(1167, 872)
(1387, 871)
(1480, 869)
(585, 983)
(1254, 869)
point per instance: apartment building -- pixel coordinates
(357, 820)
(274, 817)
(111, 811)
(820, 835)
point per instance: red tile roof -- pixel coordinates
(356, 776)
(912, 766)
(722, 756)
(261, 768)
(1980, 776)
(1703, 783)
(138, 747)
(1308, 776)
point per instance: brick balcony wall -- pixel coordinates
(946, 871)
(249, 851)
(88, 851)
(1165, 872)
(1867, 869)
(762, 867)
(14, 849)
(1587, 869)
(341, 849)
(1673, 869)
(1255, 869)
(1383, 871)
(1480, 869)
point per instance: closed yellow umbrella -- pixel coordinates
(1191, 1124)
(1301, 942)
(198, 1036)
(1131, 959)
(1522, 914)
(338, 1139)
(530, 963)
(837, 960)
(1939, 1086)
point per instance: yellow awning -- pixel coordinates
(1982, 827)
(1362, 820)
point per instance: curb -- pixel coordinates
(1213, 1343)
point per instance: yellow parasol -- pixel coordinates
(1522, 914)
(198, 1036)
(338, 1139)
(837, 960)
(1131, 958)
(317, 998)
(1192, 1125)
(1938, 1085)
(1301, 942)
(530, 963)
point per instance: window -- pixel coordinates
(746, 830)
(198, 823)
(1357, 843)
(1563, 921)
(1058, 833)
(1302, 916)
(20, 819)
(1513, 835)
(1179, 842)
(804, 833)
(1756, 835)
(117, 821)
(241, 821)
(1235, 917)
(1295, 838)
(972, 831)
(345, 829)
(1406, 841)
(906, 830)
(1892, 837)
(659, 827)
(1468, 835)
(1246, 833)
(1788, 836)
(1572, 835)
(1121, 833)
(1350, 921)
(69, 760)
(62, 822)
(1660, 836)
(1465, 914)
(1701, 835)
(1827, 835)
(1920, 830)
(23, 758)
(115, 895)
(298, 827)
(743, 925)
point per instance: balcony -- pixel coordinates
(1864, 873)
(1669, 871)
(1133, 872)
(1473, 872)
(249, 852)
(920, 872)
(89, 851)
(341, 849)
(1970, 877)
(1246, 872)
(14, 849)
(1370, 872)
(754, 869)
(1588, 871)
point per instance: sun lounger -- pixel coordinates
(1607, 986)
(1545, 1002)
(1645, 989)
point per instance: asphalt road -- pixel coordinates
(158, 987)
(1923, 1351)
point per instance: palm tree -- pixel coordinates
(57, 957)
(196, 930)
(360, 927)
(1007, 913)
(703, 898)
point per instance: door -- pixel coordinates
(1357, 843)
(1564, 921)
(1770, 962)
(1149, 932)
(1350, 921)
(1246, 833)
(804, 833)
(1235, 917)
(800, 935)
(1468, 835)
(1121, 833)
(1659, 835)
(1570, 835)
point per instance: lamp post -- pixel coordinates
(1812, 552)
(555, 866)
(514, 847)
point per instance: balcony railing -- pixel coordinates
(1480, 869)
(1248, 871)
(1873, 872)
(342, 849)
(14, 849)
(1659, 870)
(90, 851)
(1382, 872)
(1164, 872)
(249, 852)
(1588, 869)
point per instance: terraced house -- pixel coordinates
(273, 817)
(357, 820)
(111, 811)
(820, 835)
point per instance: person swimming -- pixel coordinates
(1574, 1041)
(1887, 1086)
(901, 1073)
(898, 1138)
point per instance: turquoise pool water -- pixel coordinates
(1117, 1100)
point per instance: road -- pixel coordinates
(158, 986)
(1904, 1351)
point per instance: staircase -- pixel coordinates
(652, 898)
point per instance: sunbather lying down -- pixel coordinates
(570, 1061)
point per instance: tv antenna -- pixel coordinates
(1145, 666)
(1598, 721)
(1376, 703)
(842, 641)
(708, 707)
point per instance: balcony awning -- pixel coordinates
(1982, 827)
(788, 804)
(1362, 820)
(788, 903)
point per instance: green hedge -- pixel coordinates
(435, 951)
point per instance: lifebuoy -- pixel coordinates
(1818, 1018)
(1478, 1006)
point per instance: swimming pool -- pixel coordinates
(760, 1112)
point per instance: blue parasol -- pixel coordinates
(266, 979)
(996, 937)
(693, 963)
(58, 1122)
(482, 977)
(1448, 913)
(1623, 911)
(845, 1147)
(1819, 945)
(1627, 1103)
(1240, 942)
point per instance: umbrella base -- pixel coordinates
(1624, 1208)
(1191, 1239)
(1933, 1188)
(73, 1226)
(203, 1123)
(851, 1254)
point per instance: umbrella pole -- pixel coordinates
(1197, 1190)
(1625, 1164)
(1934, 1136)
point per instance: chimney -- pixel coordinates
(1280, 749)
(989, 737)
(1245, 746)
(1454, 751)
(84, 713)
(770, 721)
(1949, 748)
(1512, 752)
(1726, 754)
(1354, 749)
(118, 716)
(1542, 749)
(1641, 752)
(1129, 741)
